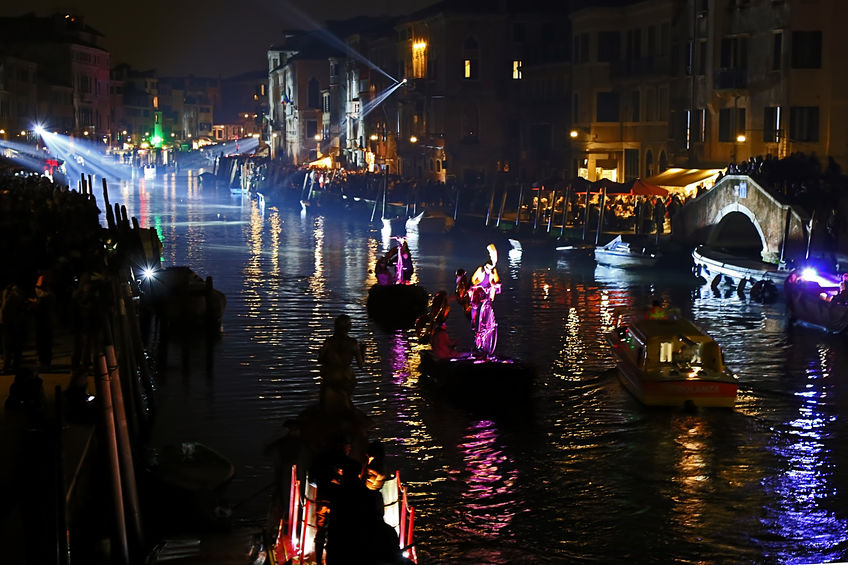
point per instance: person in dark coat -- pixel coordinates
(659, 215)
(45, 306)
(14, 327)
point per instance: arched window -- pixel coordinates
(649, 163)
(471, 60)
(663, 162)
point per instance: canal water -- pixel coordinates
(581, 473)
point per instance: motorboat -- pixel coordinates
(815, 298)
(186, 483)
(190, 466)
(668, 360)
(182, 299)
(620, 253)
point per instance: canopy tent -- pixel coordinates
(580, 186)
(642, 188)
(687, 180)
(612, 187)
(637, 188)
(324, 162)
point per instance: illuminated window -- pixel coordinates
(517, 66)
(470, 69)
(419, 59)
(665, 352)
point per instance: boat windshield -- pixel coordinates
(684, 353)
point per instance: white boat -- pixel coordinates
(620, 253)
(710, 264)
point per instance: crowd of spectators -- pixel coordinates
(798, 179)
(49, 237)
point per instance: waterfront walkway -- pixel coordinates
(28, 537)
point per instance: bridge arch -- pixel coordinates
(738, 204)
(730, 221)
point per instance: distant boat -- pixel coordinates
(814, 299)
(620, 253)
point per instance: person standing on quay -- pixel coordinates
(659, 216)
(14, 327)
(45, 305)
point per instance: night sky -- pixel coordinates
(205, 38)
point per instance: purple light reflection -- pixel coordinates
(806, 528)
(399, 359)
(491, 501)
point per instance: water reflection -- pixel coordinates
(804, 495)
(489, 499)
(584, 473)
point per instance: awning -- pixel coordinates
(644, 188)
(683, 178)
(324, 162)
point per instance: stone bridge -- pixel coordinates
(741, 216)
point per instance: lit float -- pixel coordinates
(479, 377)
(393, 303)
(814, 298)
(671, 362)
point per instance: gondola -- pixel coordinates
(293, 524)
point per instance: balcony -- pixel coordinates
(730, 79)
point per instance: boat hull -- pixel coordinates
(628, 255)
(710, 263)
(652, 391)
(624, 260)
(664, 360)
(815, 305)
(478, 379)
